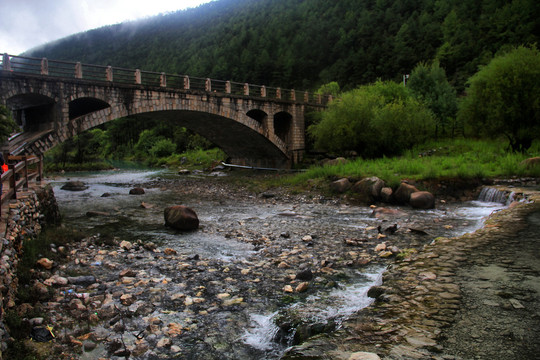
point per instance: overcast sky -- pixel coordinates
(25, 24)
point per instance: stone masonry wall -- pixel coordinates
(25, 218)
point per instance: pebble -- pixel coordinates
(45, 263)
(288, 289)
(302, 287)
(364, 356)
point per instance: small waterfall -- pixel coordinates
(494, 195)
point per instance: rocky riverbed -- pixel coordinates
(128, 296)
(470, 297)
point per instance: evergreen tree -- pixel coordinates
(429, 84)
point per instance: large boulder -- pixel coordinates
(387, 194)
(369, 188)
(403, 193)
(74, 186)
(422, 200)
(336, 161)
(181, 217)
(136, 191)
(341, 185)
(531, 162)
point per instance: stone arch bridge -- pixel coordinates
(55, 100)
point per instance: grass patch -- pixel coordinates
(458, 158)
(194, 159)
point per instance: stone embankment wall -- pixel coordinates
(21, 219)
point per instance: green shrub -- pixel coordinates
(374, 120)
(163, 148)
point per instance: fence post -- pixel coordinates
(138, 77)
(78, 70)
(25, 173)
(246, 89)
(5, 62)
(278, 93)
(109, 73)
(263, 91)
(306, 97)
(208, 85)
(40, 169)
(186, 82)
(44, 66)
(293, 95)
(12, 181)
(228, 87)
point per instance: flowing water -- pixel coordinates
(226, 220)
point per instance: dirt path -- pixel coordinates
(472, 297)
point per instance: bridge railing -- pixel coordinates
(21, 171)
(66, 69)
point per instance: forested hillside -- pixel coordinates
(306, 43)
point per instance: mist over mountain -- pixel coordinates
(303, 44)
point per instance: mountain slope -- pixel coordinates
(305, 43)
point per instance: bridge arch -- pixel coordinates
(283, 125)
(257, 115)
(85, 105)
(32, 111)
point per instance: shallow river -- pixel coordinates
(246, 230)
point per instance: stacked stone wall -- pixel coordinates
(25, 218)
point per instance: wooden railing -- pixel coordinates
(21, 171)
(100, 73)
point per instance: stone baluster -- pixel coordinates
(163, 80)
(263, 91)
(138, 77)
(208, 85)
(278, 93)
(293, 95)
(109, 73)
(6, 65)
(228, 87)
(246, 89)
(78, 70)
(44, 66)
(186, 83)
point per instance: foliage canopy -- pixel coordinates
(429, 84)
(503, 98)
(7, 125)
(373, 120)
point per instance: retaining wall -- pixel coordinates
(22, 219)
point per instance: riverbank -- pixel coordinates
(471, 297)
